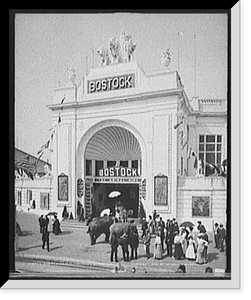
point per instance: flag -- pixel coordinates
(45, 146)
(177, 125)
(213, 167)
(189, 152)
(63, 99)
(24, 165)
(195, 165)
(186, 143)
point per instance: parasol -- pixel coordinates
(114, 194)
(187, 224)
(52, 213)
(105, 212)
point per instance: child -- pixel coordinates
(45, 239)
(157, 247)
(114, 246)
(190, 253)
(147, 241)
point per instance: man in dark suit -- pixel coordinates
(45, 239)
(222, 237)
(41, 223)
(201, 228)
(216, 235)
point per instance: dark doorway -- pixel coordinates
(129, 198)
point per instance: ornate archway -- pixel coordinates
(111, 141)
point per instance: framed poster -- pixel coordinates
(80, 187)
(201, 207)
(63, 187)
(160, 189)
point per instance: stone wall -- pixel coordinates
(212, 187)
(37, 186)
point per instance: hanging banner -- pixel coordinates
(80, 187)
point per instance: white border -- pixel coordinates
(234, 283)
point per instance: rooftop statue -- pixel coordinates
(127, 46)
(117, 51)
(71, 72)
(166, 57)
(104, 56)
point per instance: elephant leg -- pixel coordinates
(93, 239)
(107, 234)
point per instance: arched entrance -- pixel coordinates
(112, 159)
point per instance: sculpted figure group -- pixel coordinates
(117, 51)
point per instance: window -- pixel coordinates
(135, 164)
(124, 163)
(19, 198)
(210, 148)
(88, 167)
(44, 200)
(111, 163)
(99, 164)
(29, 196)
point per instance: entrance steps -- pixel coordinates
(75, 224)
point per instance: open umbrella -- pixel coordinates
(52, 213)
(105, 212)
(114, 194)
(187, 224)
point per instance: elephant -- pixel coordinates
(98, 226)
(120, 229)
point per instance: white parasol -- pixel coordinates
(105, 212)
(114, 194)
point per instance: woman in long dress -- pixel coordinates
(56, 226)
(178, 252)
(157, 247)
(183, 240)
(200, 259)
(190, 253)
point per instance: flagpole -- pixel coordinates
(180, 33)
(92, 58)
(195, 66)
(86, 65)
(178, 52)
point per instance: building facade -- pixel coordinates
(123, 130)
(33, 183)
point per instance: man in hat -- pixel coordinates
(201, 228)
(133, 240)
(147, 242)
(41, 223)
(124, 245)
(45, 239)
(222, 237)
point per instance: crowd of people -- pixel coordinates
(180, 242)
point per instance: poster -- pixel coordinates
(200, 206)
(160, 190)
(63, 187)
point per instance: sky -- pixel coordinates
(47, 44)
